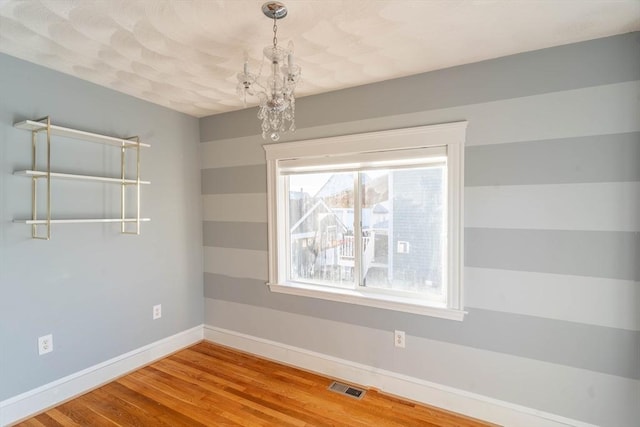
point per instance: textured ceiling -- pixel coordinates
(184, 54)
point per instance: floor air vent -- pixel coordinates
(356, 393)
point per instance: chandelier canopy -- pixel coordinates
(275, 92)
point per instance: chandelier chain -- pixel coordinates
(275, 32)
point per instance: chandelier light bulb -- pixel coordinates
(276, 92)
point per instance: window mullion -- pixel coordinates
(357, 232)
(284, 220)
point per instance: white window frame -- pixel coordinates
(450, 136)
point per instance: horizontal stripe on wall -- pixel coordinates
(600, 158)
(591, 159)
(241, 151)
(507, 377)
(607, 350)
(594, 301)
(238, 179)
(608, 254)
(236, 262)
(235, 207)
(609, 206)
(599, 110)
(594, 63)
(589, 300)
(238, 235)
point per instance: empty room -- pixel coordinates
(320, 213)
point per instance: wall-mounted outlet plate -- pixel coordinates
(157, 311)
(398, 339)
(45, 344)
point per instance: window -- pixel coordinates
(372, 219)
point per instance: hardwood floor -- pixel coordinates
(209, 385)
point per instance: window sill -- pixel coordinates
(386, 302)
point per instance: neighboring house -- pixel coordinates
(417, 250)
(398, 204)
(316, 239)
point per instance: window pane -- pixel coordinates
(321, 228)
(404, 230)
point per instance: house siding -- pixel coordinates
(552, 237)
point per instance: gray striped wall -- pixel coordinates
(552, 222)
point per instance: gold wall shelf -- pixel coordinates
(38, 125)
(43, 174)
(44, 126)
(77, 221)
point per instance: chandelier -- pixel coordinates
(276, 91)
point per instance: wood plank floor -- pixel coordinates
(210, 385)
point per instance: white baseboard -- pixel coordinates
(31, 402)
(449, 398)
(497, 411)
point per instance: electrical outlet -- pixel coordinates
(398, 339)
(157, 311)
(45, 344)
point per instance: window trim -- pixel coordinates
(449, 135)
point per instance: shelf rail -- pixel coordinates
(34, 180)
(123, 188)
